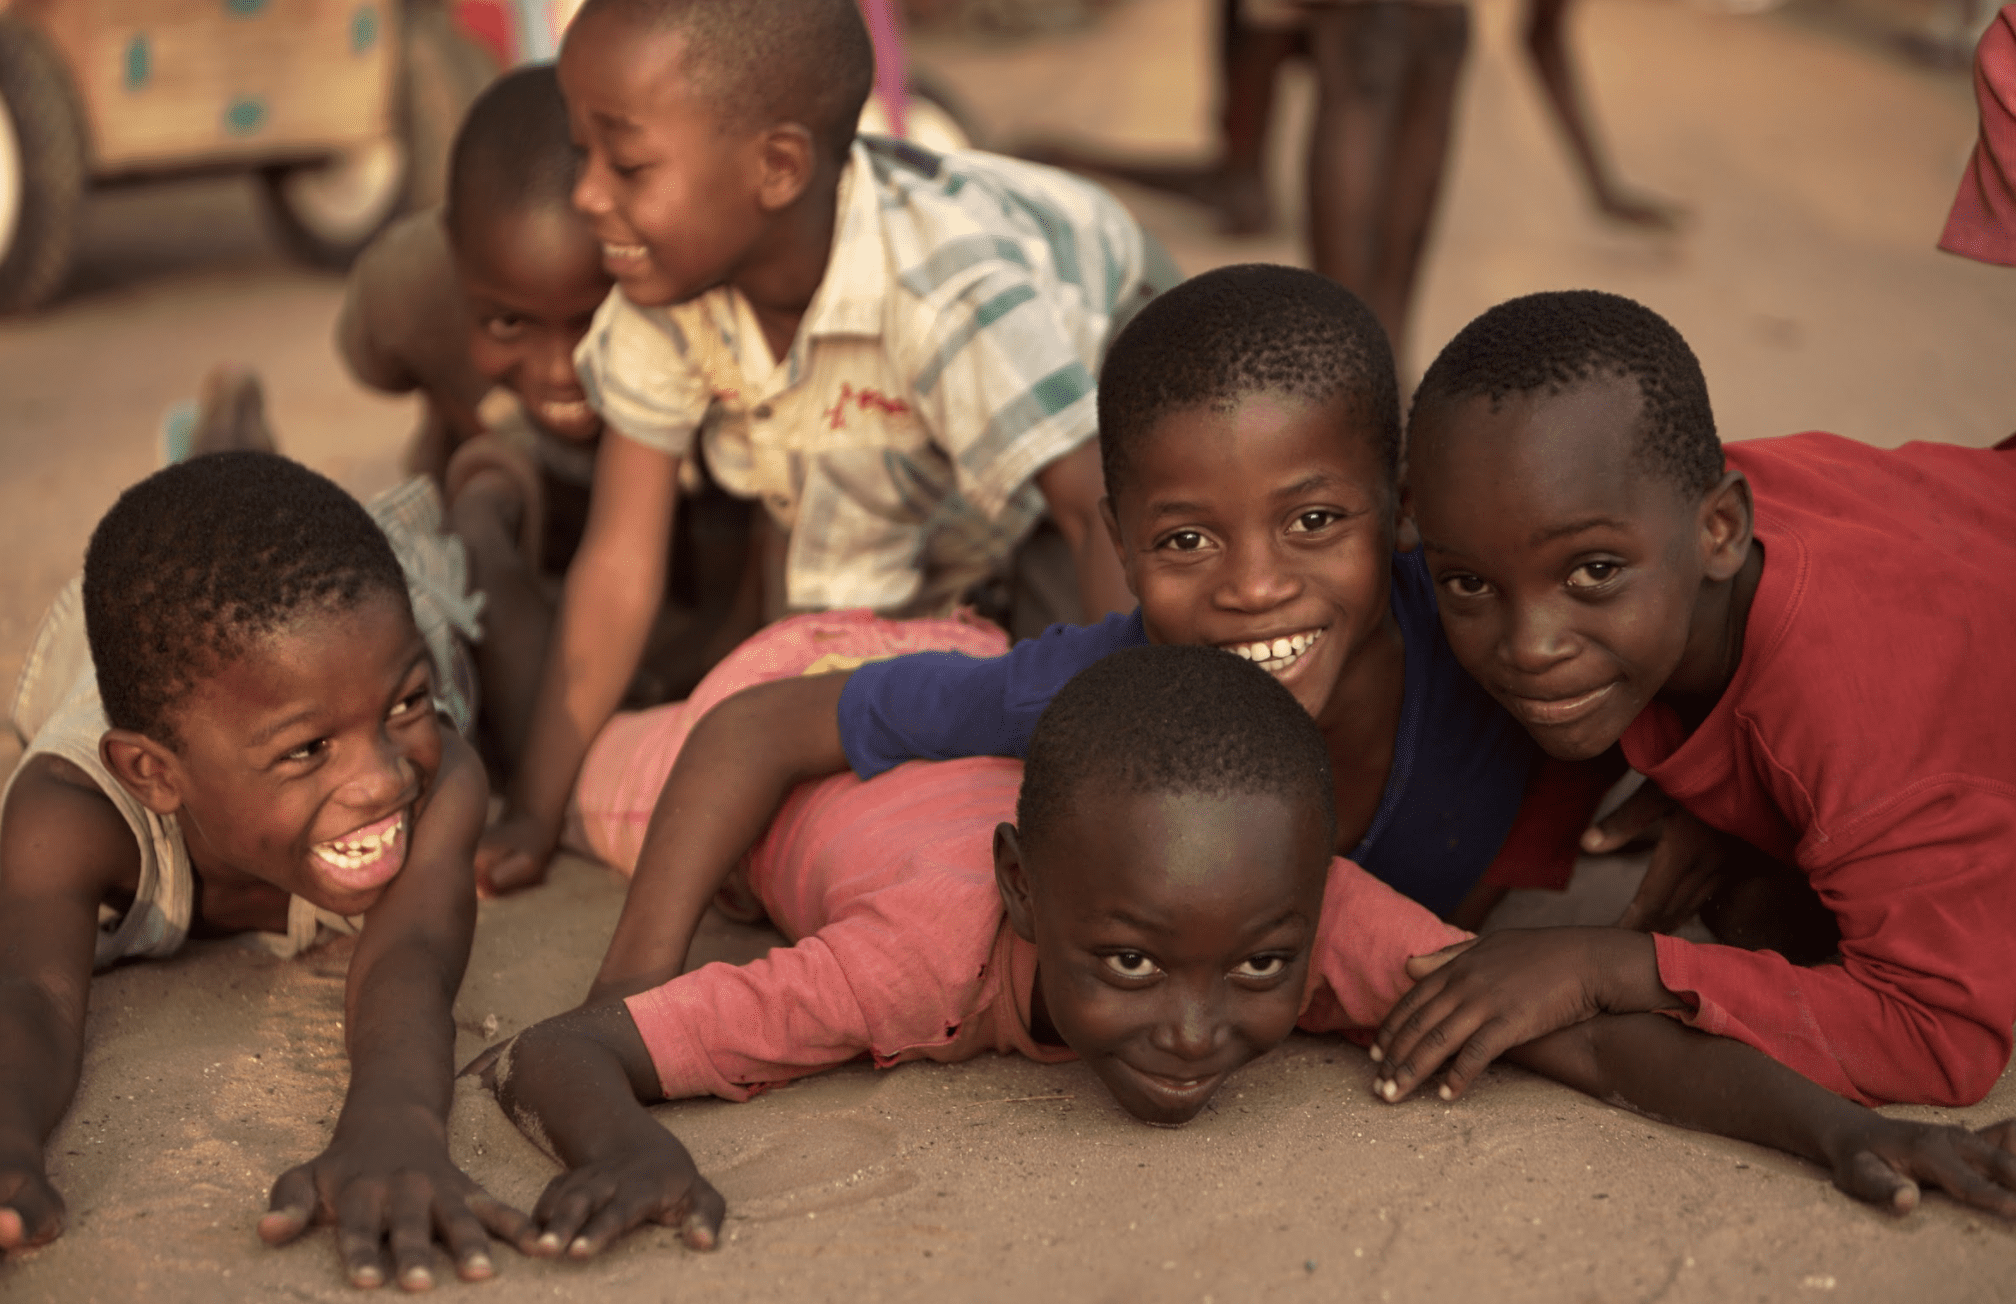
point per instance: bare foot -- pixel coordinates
(231, 414)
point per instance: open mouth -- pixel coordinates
(1180, 1093)
(622, 255)
(365, 857)
(1549, 712)
(1276, 655)
(572, 412)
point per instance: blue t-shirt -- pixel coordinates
(1460, 763)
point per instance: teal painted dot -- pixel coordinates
(245, 116)
(244, 8)
(139, 62)
(363, 29)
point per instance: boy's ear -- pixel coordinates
(1013, 880)
(144, 767)
(1726, 520)
(789, 158)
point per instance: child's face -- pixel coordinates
(532, 282)
(1267, 530)
(1172, 935)
(1568, 575)
(672, 194)
(304, 762)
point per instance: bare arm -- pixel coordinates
(387, 1169)
(1670, 1072)
(613, 590)
(736, 768)
(62, 845)
(1072, 486)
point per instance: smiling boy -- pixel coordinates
(1802, 640)
(1164, 907)
(1249, 425)
(232, 728)
(891, 350)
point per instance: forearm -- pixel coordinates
(574, 1085)
(401, 1037)
(41, 1055)
(1670, 1072)
(734, 772)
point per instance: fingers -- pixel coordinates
(1868, 1176)
(461, 1228)
(292, 1206)
(1633, 817)
(701, 1227)
(1420, 966)
(1484, 1046)
(412, 1231)
(512, 872)
(505, 1222)
(1404, 1011)
(360, 1223)
(1419, 1044)
(32, 1215)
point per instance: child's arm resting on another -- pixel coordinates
(62, 846)
(1671, 1072)
(737, 766)
(387, 1174)
(575, 1085)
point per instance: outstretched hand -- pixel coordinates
(1689, 858)
(1474, 1001)
(586, 1208)
(397, 1189)
(514, 854)
(1887, 1160)
(31, 1212)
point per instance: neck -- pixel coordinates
(784, 271)
(1360, 723)
(1714, 641)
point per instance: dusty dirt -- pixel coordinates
(1818, 170)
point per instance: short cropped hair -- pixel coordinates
(512, 154)
(1217, 338)
(1171, 718)
(762, 62)
(197, 562)
(1553, 341)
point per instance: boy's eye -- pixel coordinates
(307, 751)
(1313, 520)
(413, 701)
(1593, 574)
(505, 327)
(1466, 586)
(1131, 964)
(1262, 966)
(1184, 541)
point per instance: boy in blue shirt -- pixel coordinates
(1249, 431)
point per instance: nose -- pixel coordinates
(591, 188)
(556, 365)
(1256, 579)
(1192, 1027)
(1537, 638)
(384, 773)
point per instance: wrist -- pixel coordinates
(1630, 969)
(410, 1122)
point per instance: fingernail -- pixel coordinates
(416, 1278)
(1390, 1089)
(478, 1265)
(1444, 1092)
(1378, 1056)
(580, 1246)
(367, 1277)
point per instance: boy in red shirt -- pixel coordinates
(1165, 906)
(1803, 642)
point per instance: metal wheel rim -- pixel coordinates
(347, 198)
(10, 180)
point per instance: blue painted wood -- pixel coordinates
(246, 115)
(139, 62)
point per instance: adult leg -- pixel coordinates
(1249, 61)
(1438, 42)
(1547, 46)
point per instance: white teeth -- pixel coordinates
(568, 411)
(622, 251)
(355, 853)
(1275, 656)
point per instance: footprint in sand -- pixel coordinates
(811, 1167)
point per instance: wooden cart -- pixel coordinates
(344, 108)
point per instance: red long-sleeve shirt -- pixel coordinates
(1869, 737)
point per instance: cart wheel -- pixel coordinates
(327, 212)
(41, 167)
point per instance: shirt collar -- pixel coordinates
(849, 299)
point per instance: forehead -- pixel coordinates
(1256, 442)
(547, 256)
(623, 74)
(1542, 455)
(321, 662)
(1182, 861)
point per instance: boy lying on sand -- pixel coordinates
(1165, 906)
(250, 742)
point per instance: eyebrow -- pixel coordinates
(272, 731)
(1307, 484)
(1562, 531)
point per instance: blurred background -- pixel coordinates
(1806, 155)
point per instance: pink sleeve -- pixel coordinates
(1367, 935)
(1921, 1006)
(1982, 223)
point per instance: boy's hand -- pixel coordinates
(654, 1180)
(1886, 1160)
(1477, 999)
(514, 854)
(31, 1212)
(397, 1188)
(1688, 862)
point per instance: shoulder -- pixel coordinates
(61, 834)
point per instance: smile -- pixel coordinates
(365, 857)
(623, 253)
(565, 414)
(1560, 710)
(1277, 654)
(1180, 1091)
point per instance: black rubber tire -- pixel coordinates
(441, 74)
(41, 103)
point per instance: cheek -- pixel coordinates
(1170, 595)
(495, 359)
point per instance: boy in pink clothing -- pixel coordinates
(1165, 907)
(1804, 641)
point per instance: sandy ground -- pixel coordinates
(1817, 169)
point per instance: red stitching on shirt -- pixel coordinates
(863, 400)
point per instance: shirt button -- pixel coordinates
(761, 412)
